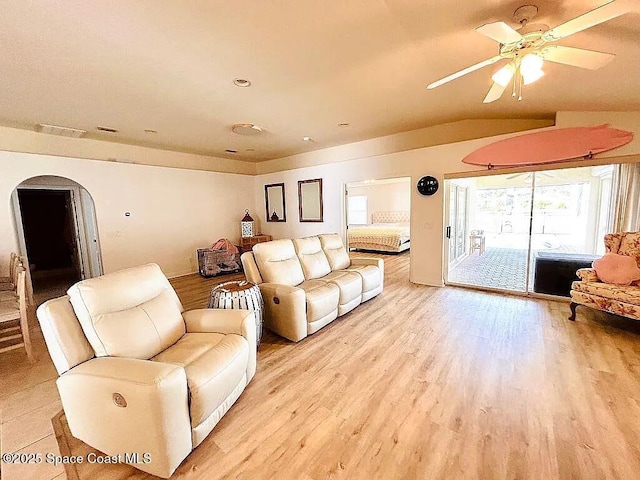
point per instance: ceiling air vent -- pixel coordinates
(57, 130)
(107, 129)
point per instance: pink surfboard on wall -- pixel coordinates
(551, 146)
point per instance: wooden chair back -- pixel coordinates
(20, 313)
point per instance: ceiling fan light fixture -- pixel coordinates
(531, 63)
(503, 76)
(534, 76)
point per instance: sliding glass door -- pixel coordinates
(496, 232)
(523, 230)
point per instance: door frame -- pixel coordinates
(80, 226)
(345, 205)
(447, 218)
(528, 292)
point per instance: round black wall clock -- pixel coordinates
(427, 185)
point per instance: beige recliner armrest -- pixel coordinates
(587, 275)
(110, 401)
(376, 262)
(285, 310)
(238, 322)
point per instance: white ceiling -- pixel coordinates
(170, 65)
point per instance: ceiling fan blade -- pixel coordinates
(599, 15)
(495, 92)
(500, 32)
(467, 70)
(576, 57)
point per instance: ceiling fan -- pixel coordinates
(528, 48)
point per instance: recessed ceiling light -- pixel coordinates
(107, 129)
(150, 130)
(241, 82)
(307, 139)
(246, 129)
(228, 150)
(343, 124)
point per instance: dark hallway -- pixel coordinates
(50, 238)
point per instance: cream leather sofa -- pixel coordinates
(137, 373)
(308, 282)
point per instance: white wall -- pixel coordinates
(385, 197)
(427, 213)
(173, 211)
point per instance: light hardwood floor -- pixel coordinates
(419, 382)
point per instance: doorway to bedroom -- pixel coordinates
(378, 213)
(525, 232)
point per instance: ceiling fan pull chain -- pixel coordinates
(519, 84)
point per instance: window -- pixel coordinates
(357, 210)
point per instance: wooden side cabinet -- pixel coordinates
(247, 243)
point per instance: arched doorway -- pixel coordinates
(57, 231)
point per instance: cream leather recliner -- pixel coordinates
(140, 375)
(307, 283)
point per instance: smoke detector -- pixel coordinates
(62, 131)
(246, 129)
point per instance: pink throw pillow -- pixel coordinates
(617, 269)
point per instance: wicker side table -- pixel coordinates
(239, 295)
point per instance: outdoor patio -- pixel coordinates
(504, 266)
(562, 211)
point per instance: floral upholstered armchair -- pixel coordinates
(593, 292)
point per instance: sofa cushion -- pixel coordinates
(278, 262)
(335, 251)
(626, 294)
(214, 363)
(349, 283)
(370, 276)
(131, 313)
(322, 299)
(313, 260)
(606, 304)
(617, 269)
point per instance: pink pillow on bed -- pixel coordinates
(617, 269)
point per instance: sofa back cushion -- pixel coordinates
(334, 250)
(278, 262)
(612, 242)
(132, 313)
(630, 246)
(313, 260)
